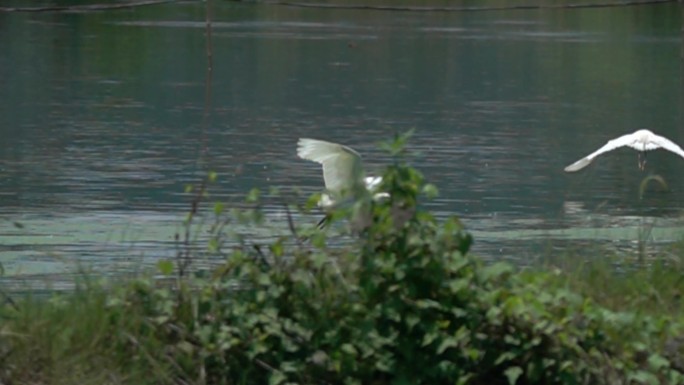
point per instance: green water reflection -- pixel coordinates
(109, 112)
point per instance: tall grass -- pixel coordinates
(622, 282)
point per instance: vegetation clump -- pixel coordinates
(403, 303)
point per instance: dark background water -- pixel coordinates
(106, 116)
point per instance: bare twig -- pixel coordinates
(265, 365)
(208, 79)
(210, 56)
(185, 256)
(293, 229)
(156, 366)
(9, 300)
(260, 254)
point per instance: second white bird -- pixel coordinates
(642, 141)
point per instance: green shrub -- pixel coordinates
(406, 304)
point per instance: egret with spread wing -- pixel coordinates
(342, 170)
(642, 141)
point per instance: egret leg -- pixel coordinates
(642, 160)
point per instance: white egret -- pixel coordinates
(342, 170)
(641, 140)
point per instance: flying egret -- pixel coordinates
(642, 141)
(342, 170)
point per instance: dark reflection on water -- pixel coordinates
(103, 121)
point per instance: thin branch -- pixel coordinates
(9, 300)
(210, 63)
(260, 254)
(184, 255)
(155, 365)
(206, 116)
(265, 365)
(293, 229)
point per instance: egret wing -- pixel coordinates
(342, 169)
(622, 141)
(669, 145)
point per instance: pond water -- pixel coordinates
(106, 116)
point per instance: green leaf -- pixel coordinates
(263, 279)
(186, 347)
(644, 377)
(277, 249)
(277, 377)
(165, 266)
(349, 349)
(456, 285)
(497, 270)
(513, 373)
(394, 147)
(657, 362)
(504, 357)
(430, 191)
(319, 358)
(213, 245)
(253, 195)
(218, 208)
(411, 320)
(212, 176)
(466, 242)
(449, 342)
(427, 304)
(289, 367)
(429, 338)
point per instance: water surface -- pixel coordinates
(105, 117)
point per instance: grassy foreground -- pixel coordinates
(404, 303)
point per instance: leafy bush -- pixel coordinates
(404, 304)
